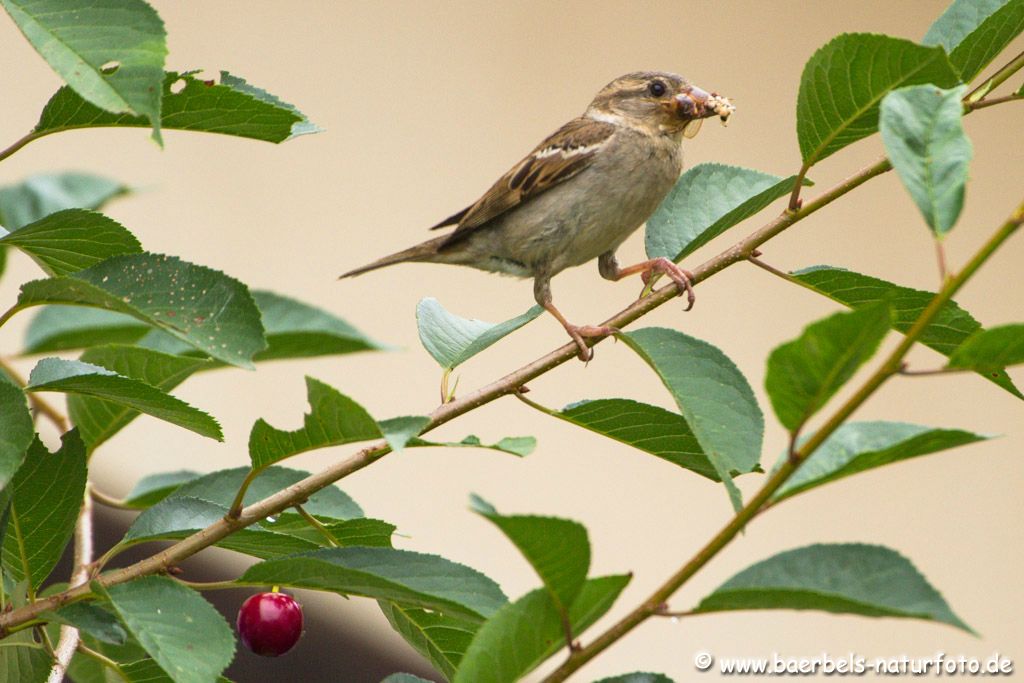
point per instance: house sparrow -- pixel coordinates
(581, 193)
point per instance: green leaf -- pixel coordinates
(526, 632)
(293, 330)
(844, 82)
(649, 428)
(441, 638)
(298, 330)
(16, 431)
(347, 532)
(805, 373)
(72, 240)
(75, 377)
(40, 195)
(402, 576)
(148, 671)
(950, 328)
(334, 419)
(90, 618)
(926, 144)
(198, 305)
(301, 127)
(713, 396)
(179, 516)
(166, 618)
(452, 340)
(404, 678)
(196, 504)
(62, 328)
(46, 495)
(82, 42)
(859, 446)
(557, 549)
(706, 201)
(991, 350)
(228, 108)
(86, 670)
(853, 578)
(22, 660)
(100, 418)
(973, 32)
(638, 677)
(153, 488)
(220, 488)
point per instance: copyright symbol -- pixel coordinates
(703, 661)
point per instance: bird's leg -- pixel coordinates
(542, 293)
(610, 270)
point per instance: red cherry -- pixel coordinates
(270, 624)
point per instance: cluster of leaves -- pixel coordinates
(143, 323)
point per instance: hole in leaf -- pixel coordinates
(110, 67)
(177, 86)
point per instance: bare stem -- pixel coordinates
(992, 101)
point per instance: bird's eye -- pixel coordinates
(657, 88)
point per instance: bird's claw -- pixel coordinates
(683, 278)
(579, 332)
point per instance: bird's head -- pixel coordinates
(658, 103)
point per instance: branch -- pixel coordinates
(509, 384)
(652, 606)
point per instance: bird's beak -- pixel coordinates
(694, 103)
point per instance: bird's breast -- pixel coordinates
(597, 210)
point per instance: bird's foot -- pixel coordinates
(580, 332)
(683, 278)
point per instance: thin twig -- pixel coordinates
(992, 101)
(69, 636)
(18, 144)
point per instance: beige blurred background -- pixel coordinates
(424, 104)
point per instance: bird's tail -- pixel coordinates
(425, 251)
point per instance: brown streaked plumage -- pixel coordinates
(580, 193)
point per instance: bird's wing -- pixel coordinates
(561, 156)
